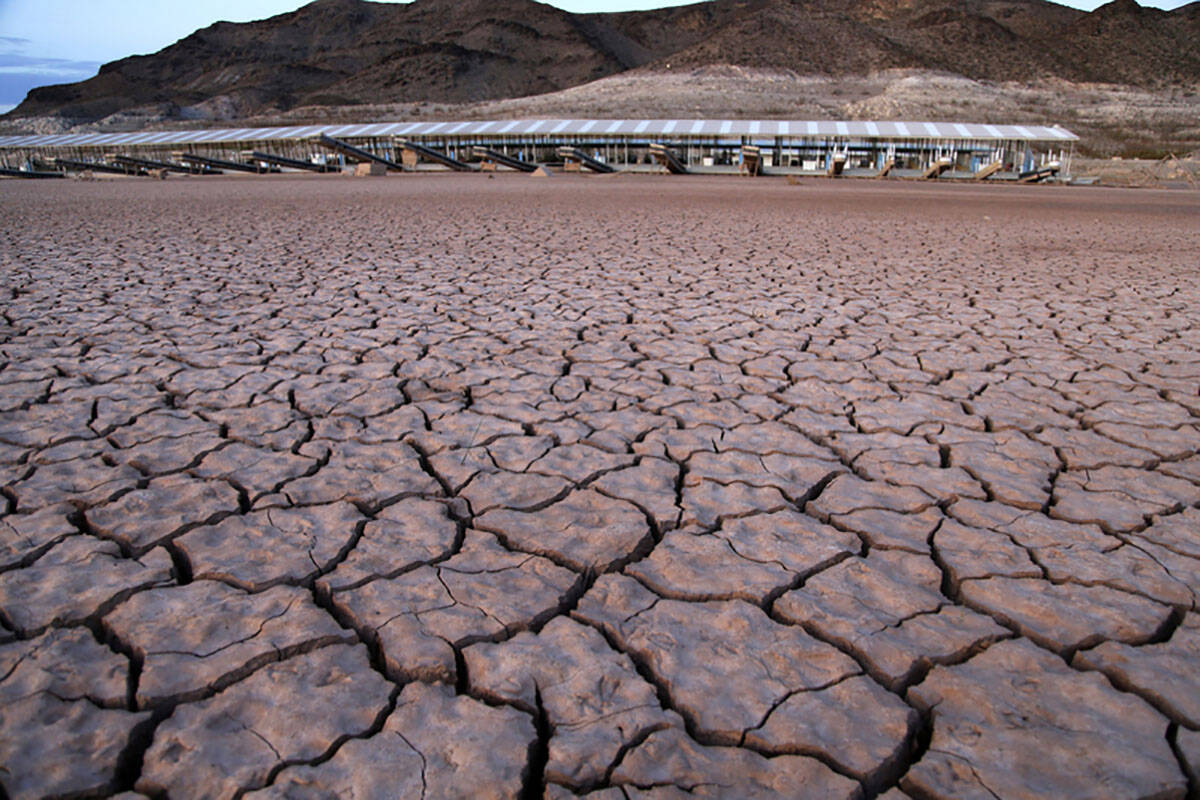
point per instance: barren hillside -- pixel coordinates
(350, 52)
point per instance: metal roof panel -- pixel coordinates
(87, 139)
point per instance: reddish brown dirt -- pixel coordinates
(629, 487)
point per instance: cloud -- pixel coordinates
(14, 42)
(15, 63)
(20, 73)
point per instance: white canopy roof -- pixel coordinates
(674, 129)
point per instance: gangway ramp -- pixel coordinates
(146, 163)
(666, 157)
(751, 160)
(222, 164)
(347, 149)
(487, 154)
(1040, 174)
(29, 173)
(96, 166)
(577, 155)
(886, 169)
(836, 164)
(496, 157)
(987, 171)
(438, 156)
(292, 163)
(936, 169)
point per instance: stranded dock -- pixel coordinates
(836, 149)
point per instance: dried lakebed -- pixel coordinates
(628, 488)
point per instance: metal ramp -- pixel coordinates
(347, 149)
(886, 169)
(292, 163)
(222, 164)
(936, 169)
(751, 160)
(96, 166)
(29, 173)
(584, 160)
(488, 154)
(146, 163)
(438, 156)
(1039, 174)
(836, 165)
(987, 171)
(667, 159)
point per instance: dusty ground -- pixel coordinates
(1164, 173)
(636, 487)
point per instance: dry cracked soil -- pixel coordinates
(629, 488)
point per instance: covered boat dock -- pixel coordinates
(856, 148)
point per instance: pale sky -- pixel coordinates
(61, 41)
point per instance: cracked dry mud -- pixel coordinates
(629, 488)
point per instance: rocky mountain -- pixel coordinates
(348, 52)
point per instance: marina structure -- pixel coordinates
(929, 150)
